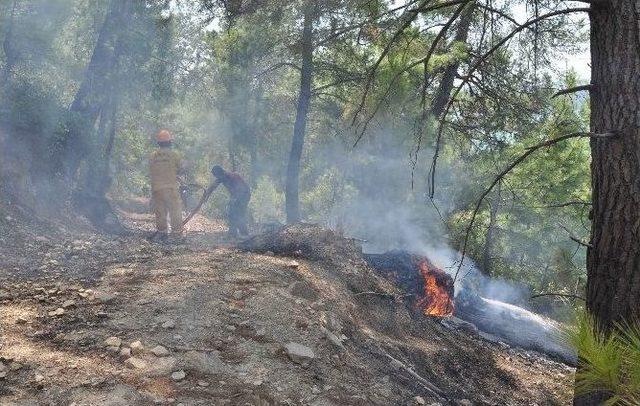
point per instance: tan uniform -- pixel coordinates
(164, 164)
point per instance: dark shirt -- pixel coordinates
(234, 183)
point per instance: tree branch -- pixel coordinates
(592, 2)
(528, 151)
(335, 83)
(425, 60)
(500, 13)
(439, 6)
(361, 24)
(574, 90)
(278, 66)
(409, 17)
(574, 238)
(558, 294)
(565, 204)
(383, 294)
(472, 69)
(431, 388)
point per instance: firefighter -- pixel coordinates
(164, 166)
(240, 195)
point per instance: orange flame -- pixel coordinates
(437, 300)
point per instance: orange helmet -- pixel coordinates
(164, 136)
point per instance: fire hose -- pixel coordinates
(205, 196)
(185, 189)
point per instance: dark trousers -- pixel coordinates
(237, 214)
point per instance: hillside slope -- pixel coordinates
(92, 320)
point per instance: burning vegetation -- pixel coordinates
(438, 291)
(431, 288)
(432, 293)
(428, 290)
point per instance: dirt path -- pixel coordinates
(88, 320)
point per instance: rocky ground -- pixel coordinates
(87, 319)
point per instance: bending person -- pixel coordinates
(240, 195)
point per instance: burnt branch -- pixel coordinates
(574, 90)
(528, 151)
(428, 386)
(182, 348)
(389, 295)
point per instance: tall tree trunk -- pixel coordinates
(490, 240)
(90, 97)
(613, 261)
(96, 181)
(299, 128)
(162, 77)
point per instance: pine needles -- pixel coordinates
(609, 363)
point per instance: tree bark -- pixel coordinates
(613, 261)
(304, 99)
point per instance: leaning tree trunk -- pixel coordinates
(613, 260)
(299, 128)
(91, 95)
(95, 97)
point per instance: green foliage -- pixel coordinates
(530, 245)
(610, 363)
(131, 177)
(31, 108)
(36, 119)
(267, 202)
(319, 200)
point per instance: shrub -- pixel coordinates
(609, 363)
(267, 202)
